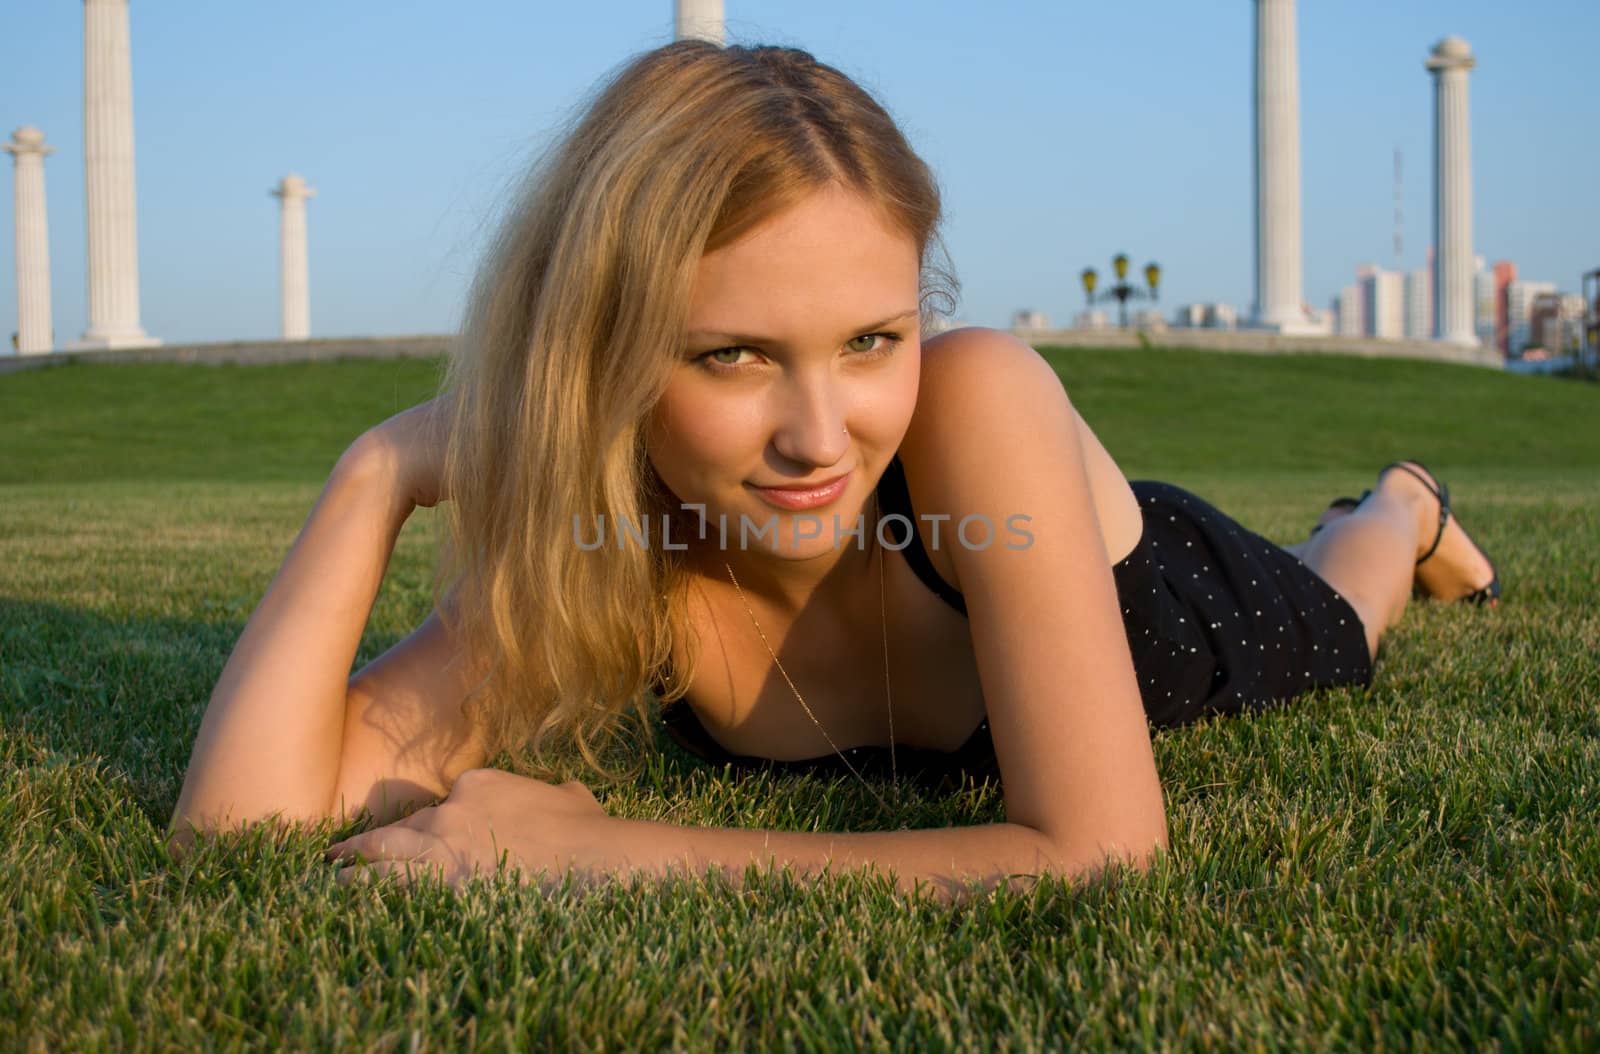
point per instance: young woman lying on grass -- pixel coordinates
(707, 308)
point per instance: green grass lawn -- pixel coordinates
(1406, 867)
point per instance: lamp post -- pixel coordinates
(1122, 292)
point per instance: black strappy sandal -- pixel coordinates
(1489, 594)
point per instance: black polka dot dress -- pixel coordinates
(1219, 620)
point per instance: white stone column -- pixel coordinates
(34, 332)
(1277, 174)
(699, 20)
(293, 287)
(108, 180)
(1452, 192)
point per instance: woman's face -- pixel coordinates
(806, 327)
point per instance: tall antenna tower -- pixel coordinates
(1397, 221)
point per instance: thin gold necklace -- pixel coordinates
(888, 696)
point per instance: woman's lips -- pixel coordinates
(803, 499)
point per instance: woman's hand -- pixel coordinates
(412, 443)
(488, 816)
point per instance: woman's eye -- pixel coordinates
(732, 353)
(874, 344)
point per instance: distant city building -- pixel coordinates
(1573, 315)
(1350, 319)
(1091, 319)
(1399, 305)
(1383, 302)
(1221, 316)
(1027, 318)
(1205, 316)
(1419, 304)
(1149, 318)
(1520, 296)
(1505, 273)
(1556, 323)
(1483, 304)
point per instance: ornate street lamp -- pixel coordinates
(1122, 292)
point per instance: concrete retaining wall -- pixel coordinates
(1258, 342)
(247, 353)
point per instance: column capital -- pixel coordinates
(291, 187)
(27, 140)
(1451, 53)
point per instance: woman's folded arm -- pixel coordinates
(273, 734)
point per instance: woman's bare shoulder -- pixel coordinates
(956, 365)
(967, 408)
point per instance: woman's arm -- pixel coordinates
(994, 435)
(287, 732)
(943, 861)
(272, 734)
(554, 832)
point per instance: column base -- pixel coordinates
(1291, 328)
(113, 341)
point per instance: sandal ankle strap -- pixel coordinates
(1441, 492)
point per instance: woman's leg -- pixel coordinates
(1370, 555)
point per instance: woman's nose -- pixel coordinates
(815, 429)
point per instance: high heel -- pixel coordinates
(1489, 594)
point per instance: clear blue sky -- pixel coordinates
(1061, 133)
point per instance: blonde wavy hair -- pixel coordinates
(574, 324)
